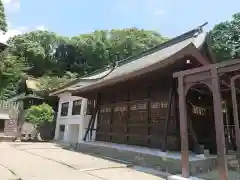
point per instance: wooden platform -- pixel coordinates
(152, 158)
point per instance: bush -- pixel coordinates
(38, 115)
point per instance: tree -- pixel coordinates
(49, 83)
(3, 23)
(100, 48)
(39, 115)
(56, 60)
(47, 54)
(10, 73)
(225, 39)
(37, 50)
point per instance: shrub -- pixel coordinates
(38, 115)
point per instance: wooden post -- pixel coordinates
(95, 113)
(235, 111)
(92, 119)
(193, 135)
(183, 128)
(219, 126)
(170, 97)
(235, 115)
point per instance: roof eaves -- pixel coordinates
(187, 49)
(64, 87)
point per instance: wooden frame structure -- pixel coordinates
(213, 76)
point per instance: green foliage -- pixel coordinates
(100, 48)
(10, 73)
(3, 23)
(226, 39)
(49, 83)
(38, 115)
(37, 50)
(56, 60)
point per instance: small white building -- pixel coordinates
(73, 116)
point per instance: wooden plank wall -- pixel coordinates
(135, 115)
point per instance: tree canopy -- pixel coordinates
(56, 60)
(3, 23)
(226, 39)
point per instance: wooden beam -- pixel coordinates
(170, 97)
(193, 135)
(92, 120)
(183, 128)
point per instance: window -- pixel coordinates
(62, 128)
(90, 107)
(76, 109)
(64, 109)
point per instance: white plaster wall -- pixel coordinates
(73, 123)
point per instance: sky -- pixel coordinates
(74, 17)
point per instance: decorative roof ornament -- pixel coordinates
(200, 29)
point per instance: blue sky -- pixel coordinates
(73, 17)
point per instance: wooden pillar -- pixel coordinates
(219, 126)
(170, 98)
(235, 114)
(183, 128)
(235, 111)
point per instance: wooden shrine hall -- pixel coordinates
(162, 99)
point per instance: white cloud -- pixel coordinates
(12, 32)
(17, 31)
(41, 28)
(12, 5)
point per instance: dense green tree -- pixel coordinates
(3, 23)
(47, 54)
(11, 71)
(226, 39)
(48, 83)
(100, 48)
(37, 50)
(38, 115)
(56, 60)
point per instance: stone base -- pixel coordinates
(7, 138)
(176, 177)
(151, 158)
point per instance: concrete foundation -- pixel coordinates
(152, 158)
(176, 177)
